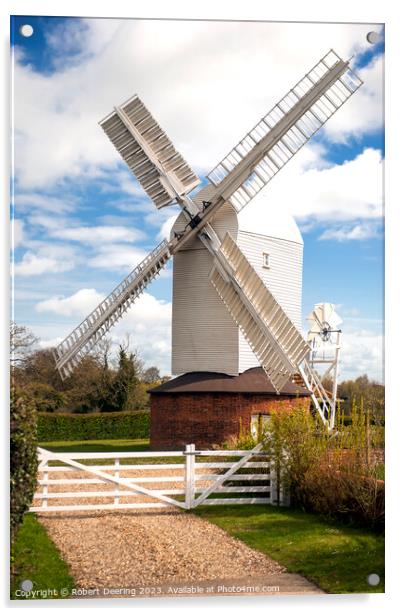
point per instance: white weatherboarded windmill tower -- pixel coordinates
(236, 288)
(204, 336)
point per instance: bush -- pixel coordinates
(335, 474)
(344, 493)
(94, 426)
(23, 457)
(46, 398)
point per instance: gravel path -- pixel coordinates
(152, 547)
(117, 549)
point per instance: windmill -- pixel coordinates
(324, 337)
(244, 171)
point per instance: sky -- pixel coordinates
(80, 221)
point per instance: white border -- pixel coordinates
(285, 10)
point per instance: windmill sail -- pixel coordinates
(273, 337)
(276, 342)
(256, 159)
(84, 337)
(322, 316)
(149, 153)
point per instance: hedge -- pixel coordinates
(93, 426)
(23, 457)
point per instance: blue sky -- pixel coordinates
(81, 222)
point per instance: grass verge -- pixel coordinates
(139, 444)
(336, 557)
(36, 558)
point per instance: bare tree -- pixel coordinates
(127, 347)
(102, 352)
(22, 341)
(151, 375)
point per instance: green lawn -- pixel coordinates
(336, 557)
(36, 558)
(139, 444)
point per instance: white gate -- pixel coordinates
(121, 480)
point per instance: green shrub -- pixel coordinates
(46, 398)
(23, 457)
(94, 426)
(343, 492)
(335, 474)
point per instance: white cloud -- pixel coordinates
(206, 82)
(352, 190)
(148, 323)
(50, 342)
(116, 220)
(362, 353)
(348, 312)
(34, 265)
(125, 181)
(51, 222)
(115, 256)
(360, 231)
(55, 250)
(22, 294)
(17, 232)
(94, 235)
(30, 201)
(80, 303)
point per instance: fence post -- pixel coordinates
(279, 498)
(45, 488)
(189, 475)
(273, 483)
(116, 476)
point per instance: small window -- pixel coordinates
(266, 260)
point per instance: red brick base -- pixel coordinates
(207, 419)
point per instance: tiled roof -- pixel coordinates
(252, 381)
